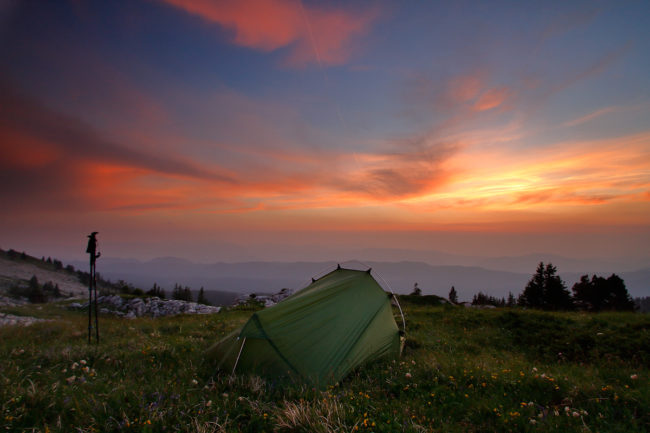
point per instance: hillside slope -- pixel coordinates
(20, 271)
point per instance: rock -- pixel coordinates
(10, 320)
(11, 302)
(266, 300)
(152, 307)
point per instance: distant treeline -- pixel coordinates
(547, 291)
(643, 304)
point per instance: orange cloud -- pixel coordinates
(465, 88)
(491, 99)
(559, 179)
(315, 34)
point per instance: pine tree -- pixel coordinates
(35, 294)
(177, 293)
(556, 295)
(533, 294)
(453, 295)
(546, 290)
(511, 300)
(202, 299)
(602, 294)
(619, 298)
(156, 290)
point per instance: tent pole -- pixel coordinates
(396, 300)
(238, 355)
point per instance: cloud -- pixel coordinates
(491, 98)
(313, 34)
(556, 178)
(465, 87)
(54, 161)
(603, 111)
(46, 129)
(415, 167)
(597, 67)
(591, 116)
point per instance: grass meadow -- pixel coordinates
(462, 370)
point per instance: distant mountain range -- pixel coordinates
(495, 277)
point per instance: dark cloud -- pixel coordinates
(414, 167)
(48, 157)
(80, 141)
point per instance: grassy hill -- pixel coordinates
(463, 370)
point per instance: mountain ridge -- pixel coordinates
(272, 276)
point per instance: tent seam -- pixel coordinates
(266, 336)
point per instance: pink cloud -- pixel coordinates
(465, 88)
(314, 34)
(491, 99)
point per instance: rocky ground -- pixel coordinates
(10, 319)
(266, 300)
(151, 307)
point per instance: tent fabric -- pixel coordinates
(320, 333)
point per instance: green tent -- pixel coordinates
(319, 334)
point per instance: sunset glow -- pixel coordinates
(225, 123)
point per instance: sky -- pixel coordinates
(286, 130)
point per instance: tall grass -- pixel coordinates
(462, 370)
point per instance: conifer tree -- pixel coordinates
(177, 293)
(202, 299)
(511, 300)
(602, 294)
(453, 295)
(546, 290)
(35, 294)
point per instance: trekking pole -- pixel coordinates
(90, 300)
(96, 315)
(92, 250)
